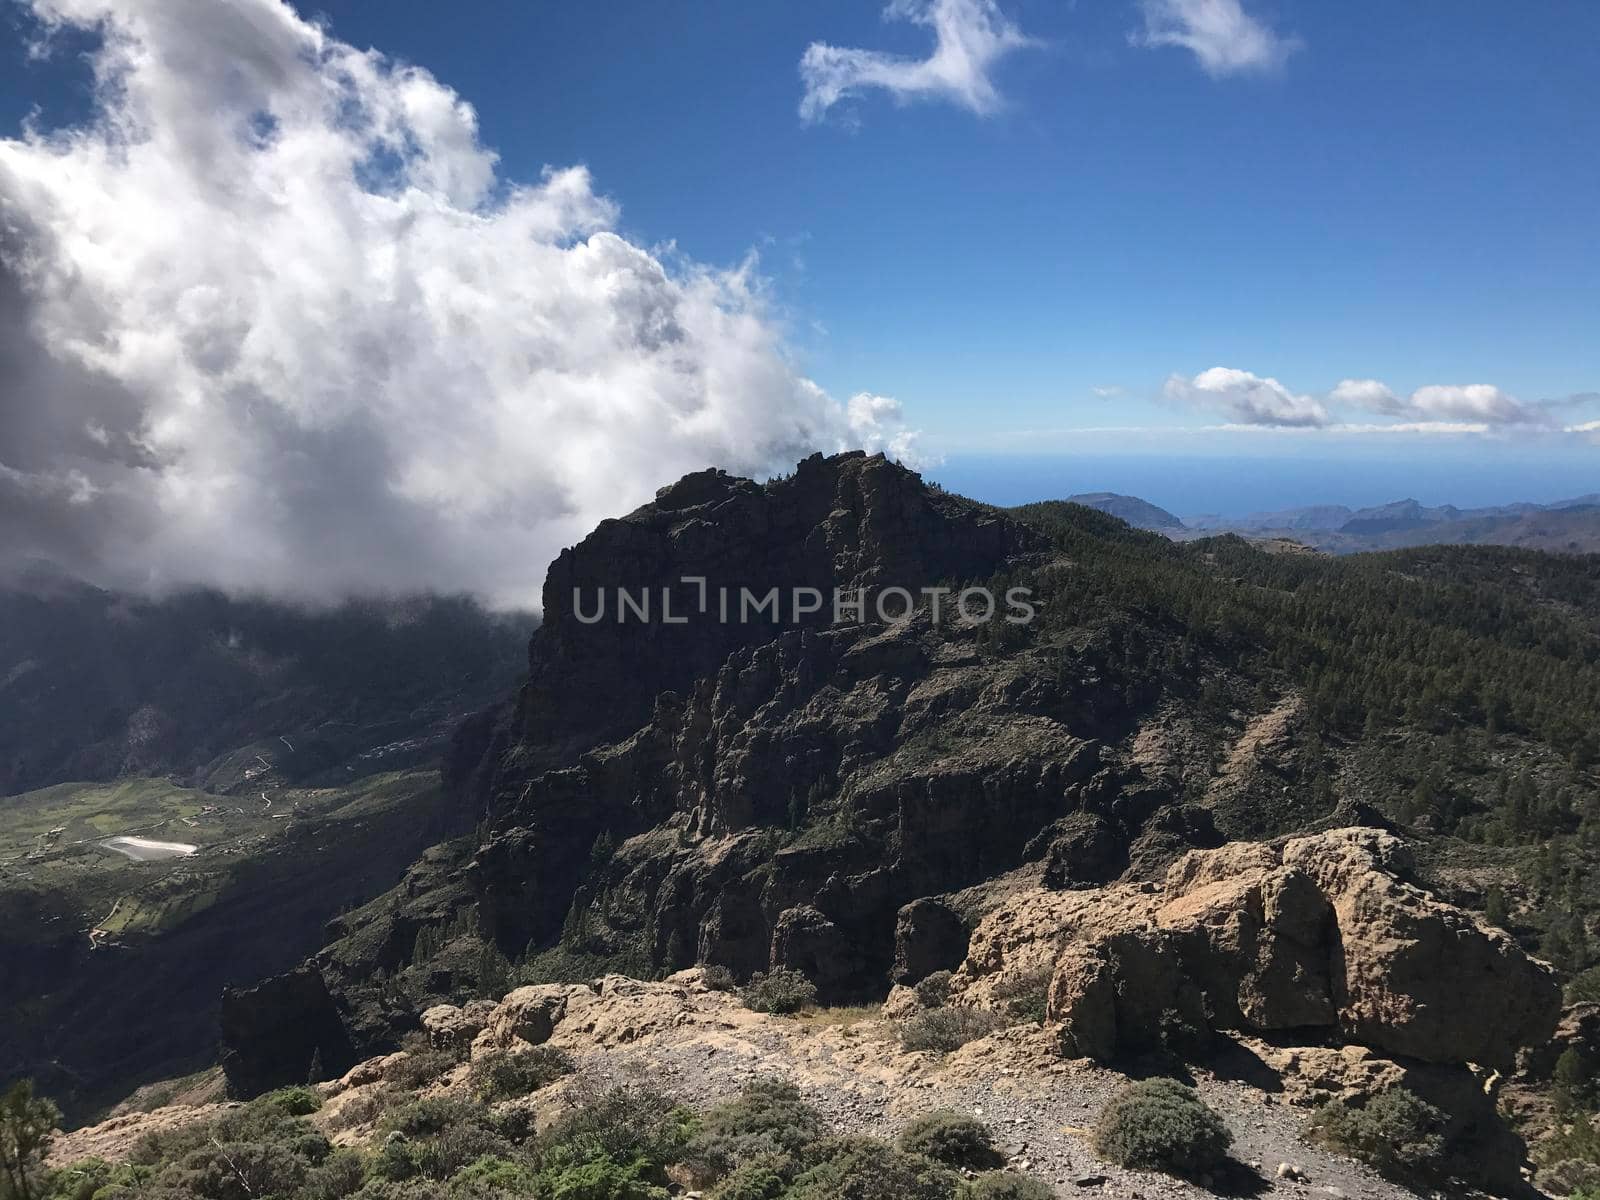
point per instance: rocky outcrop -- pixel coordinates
(757, 794)
(846, 522)
(929, 936)
(1321, 934)
(272, 1033)
(1482, 1147)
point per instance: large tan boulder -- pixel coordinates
(1314, 933)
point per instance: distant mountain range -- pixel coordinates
(1567, 526)
(1141, 514)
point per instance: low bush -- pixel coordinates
(952, 1138)
(1026, 996)
(502, 1076)
(764, 1177)
(424, 1062)
(942, 1030)
(1395, 1132)
(718, 978)
(768, 1119)
(934, 991)
(779, 991)
(293, 1101)
(863, 1169)
(624, 1125)
(1161, 1125)
(1008, 1185)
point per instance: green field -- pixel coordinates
(51, 845)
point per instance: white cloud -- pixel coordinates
(275, 319)
(970, 37)
(1472, 402)
(1221, 35)
(1247, 398)
(1370, 394)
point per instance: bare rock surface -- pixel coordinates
(1312, 933)
(702, 1046)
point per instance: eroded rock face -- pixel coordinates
(929, 936)
(1317, 933)
(273, 1031)
(850, 521)
(1483, 1148)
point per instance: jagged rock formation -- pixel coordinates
(701, 1045)
(762, 793)
(1317, 934)
(273, 1032)
(873, 802)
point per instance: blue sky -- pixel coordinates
(1404, 193)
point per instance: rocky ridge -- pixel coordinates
(1298, 954)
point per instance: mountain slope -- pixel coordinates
(788, 794)
(95, 684)
(1141, 514)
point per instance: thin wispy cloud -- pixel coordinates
(275, 318)
(970, 38)
(1224, 39)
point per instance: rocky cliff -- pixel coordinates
(871, 801)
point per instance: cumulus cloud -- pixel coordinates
(1219, 33)
(275, 319)
(1472, 402)
(1248, 399)
(1370, 394)
(970, 37)
(1479, 402)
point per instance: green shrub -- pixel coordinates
(492, 1176)
(718, 978)
(1160, 1125)
(1396, 1132)
(234, 1171)
(779, 991)
(1026, 996)
(942, 1030)
(1008, 1185)
(598, 1178)
(437, 1136)
(27, 1127)
(1585, 985)
(94, 1179)
(763, 1177)
(952, 1138)
(934, 990)
(863, 1169)
(769, 1118)
(502, 1076)
(424, 1062)
(293, 1101)
(340, 1174)
(625, 1125)
(1574, 1080)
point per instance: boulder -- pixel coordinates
(448, 1026)
(929, 936)
(1318, 933)
(527, 1015)
(1086, 853)
(806, 941)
